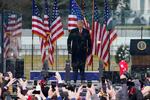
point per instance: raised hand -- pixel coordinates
(50, 92)
(11, 82)
(23, 83)
(58, 77)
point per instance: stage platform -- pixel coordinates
(89, 75)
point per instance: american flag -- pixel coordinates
(108, 19)
(96, 33)
(6, 41)
(56, 27)
(37, 22)
(48, 41)
(51, 52)
(47, 31)
(46, 18)
(108, 36)
(15, 25)
(75, 14)
(96, 28)
(12, 34)
(85, 21)
(43, 50)
(18, 27)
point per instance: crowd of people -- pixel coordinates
(130, 89)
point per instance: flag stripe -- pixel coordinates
(43, 50)
(56, 27)
(107, 36)
(12, 29)
(37, 22)
(75, 14)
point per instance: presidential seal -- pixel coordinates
(141, 45)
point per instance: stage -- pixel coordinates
(89, 75)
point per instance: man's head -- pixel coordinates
(80, 24)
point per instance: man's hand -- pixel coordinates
(57, 91)
(72, 95)
(111, 92)
(50, 92)
(78, 91)
(146, 90)
(58, 77)
(23, 83)
(88, 95)
(92, 89)
(22, 97)
(10, 75)
(11, 82)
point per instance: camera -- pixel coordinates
(89, 84)
(35, 82)
(84, 90)
(103, 80)
(84, 86)
(82, 94)
(60, 85)
(36, 92)
(53, 84)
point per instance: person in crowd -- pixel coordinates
(146, 89)
(133, 92)
(79, 45)
(147, 79)
(1, 81)
(146, 92)
(8, 80)
(87, 91)
(122, 93)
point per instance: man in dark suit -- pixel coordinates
(79, 45)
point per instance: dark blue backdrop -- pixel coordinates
(36, 75)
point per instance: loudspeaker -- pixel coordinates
(19, 73)
(10, 66)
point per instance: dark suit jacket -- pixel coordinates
(79, 45)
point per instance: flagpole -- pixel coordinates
(2, 43)
(32, 39)
(108, 31)
(70, 6)
(83, 12)
(56, 56)
(92, 27)
(32, 52)
(82, 6)
(109, 47)
(109, 52)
